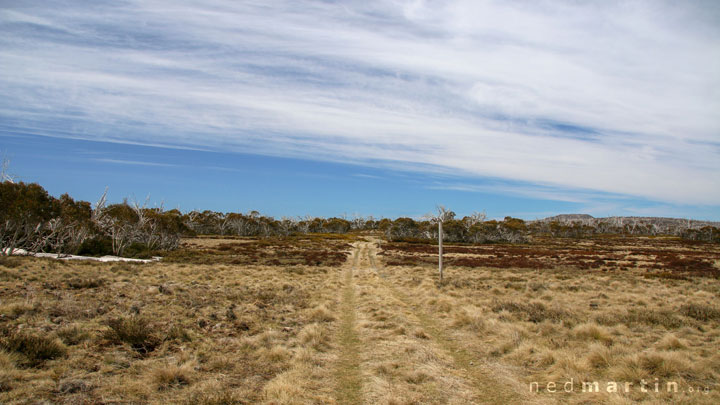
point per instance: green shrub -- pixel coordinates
(137, 250)
(99, 246)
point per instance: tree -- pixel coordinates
(402, 229)
(337, 225)
(26, 210)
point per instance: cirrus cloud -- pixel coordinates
(612, 97)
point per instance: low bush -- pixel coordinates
(99, 246)
(138, 251)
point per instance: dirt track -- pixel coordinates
(393, 352)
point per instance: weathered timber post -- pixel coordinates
(440, 249)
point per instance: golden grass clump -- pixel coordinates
(170, 376)
(321, 314)
(275, 354)
(470, 317)
(664, 364)
(284, 389)
(671, 342)
(592, 331)
(314, 336)
(599, 356)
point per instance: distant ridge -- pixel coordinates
(660, 221)
(568, 217)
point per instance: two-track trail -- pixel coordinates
(393, 352)
(349, 384)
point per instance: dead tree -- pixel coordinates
(62, 237)
(5, 174)
(20, 234)
(120, 233)
(474, 218)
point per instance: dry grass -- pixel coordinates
(229, 321)
(172, 332)
(557, 320)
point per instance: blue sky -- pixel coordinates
(381, 108)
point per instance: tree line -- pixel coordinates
(35, 221)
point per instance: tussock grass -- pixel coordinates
(179, 333)
(701, 312)
(471, 318)
(73, 334)
(651, 317)
(671, 342)
(321, 314)
(314, 336)
(172, 376)
(36, 348)
(600, 357)
(133, 330)
(532, 312)
(213, 392)
(663, 364)
(10, 262)
(80, 283)
(593, 332)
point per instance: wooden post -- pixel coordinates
(440, 249)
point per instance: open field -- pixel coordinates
(350, 319)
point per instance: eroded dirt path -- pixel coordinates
(401, 355)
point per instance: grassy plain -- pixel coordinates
(351, 319)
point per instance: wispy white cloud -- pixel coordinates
(134, 162)
(584, 197)
(611, 97)
(366, 176)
